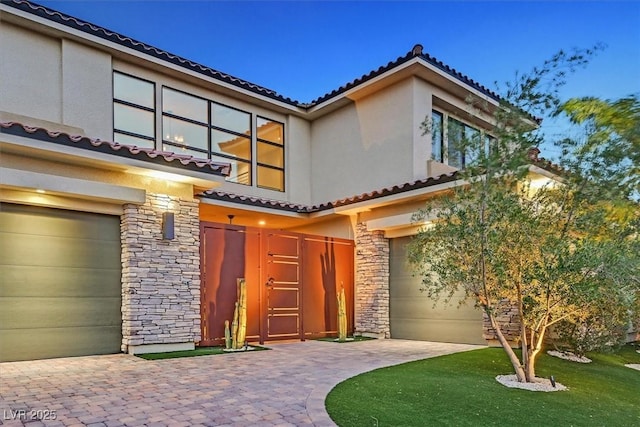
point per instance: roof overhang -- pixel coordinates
(170, 171)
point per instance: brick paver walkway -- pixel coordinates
(283, 387)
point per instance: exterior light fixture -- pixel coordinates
(262, 222)
(168, 226)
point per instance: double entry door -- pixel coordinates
(271, 264)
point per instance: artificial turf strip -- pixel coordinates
(351, 339)
(199, 351)
(461, 390)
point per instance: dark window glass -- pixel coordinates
(437, 140)
(455, 135)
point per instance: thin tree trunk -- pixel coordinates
(513, 358)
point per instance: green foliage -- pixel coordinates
(565, 253)
(610, 151)
(460, 390)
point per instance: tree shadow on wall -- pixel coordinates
(328, 263)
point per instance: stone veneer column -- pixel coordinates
(160, 278)
(372, 283)
(509, 320)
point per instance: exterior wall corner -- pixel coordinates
(160, 278)
(372, 283)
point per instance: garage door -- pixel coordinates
(60, 283)
(412, 313)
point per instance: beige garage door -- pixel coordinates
(60, 283)
(413, 315)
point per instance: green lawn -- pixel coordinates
(461, 390)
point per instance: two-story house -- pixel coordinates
(136, 186)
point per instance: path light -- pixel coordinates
(553, 382)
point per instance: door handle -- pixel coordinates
(269, 282)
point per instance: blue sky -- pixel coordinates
(304, 49)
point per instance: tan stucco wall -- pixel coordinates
(367, 145)
(30, 73)
(340, 227)
(87, 90)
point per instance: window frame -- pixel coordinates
(115, 100)
(484, 135)
(273, 144)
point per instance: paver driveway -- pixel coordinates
(285, 386)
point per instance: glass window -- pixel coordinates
(270, 178)
(240, 169)
(185, 151)
(125, 139)
(133, 120)
(230, 144)
(270, 153)
(184, 133)
(230, 119)
(437, 140)
(134, 91)
(455, 135)
(183, 105)
(271, 131)
(133, 111)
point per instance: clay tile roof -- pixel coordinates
(129, 151)
(105, 34)
(416, 52)
(290, 207)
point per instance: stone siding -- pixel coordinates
(372, 283)
(160, 278)
(509, 320)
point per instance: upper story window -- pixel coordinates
(133, 111)
(199, 127)
(231, 141)
(451, 139)
(184, 123)
(270, 153)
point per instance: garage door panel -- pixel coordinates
(31, 220)
(26, 281)
(47, 343)
(53, 251)
(413, 314)
(424, 308)
(60, 293)
(457, 331)
(34, 313)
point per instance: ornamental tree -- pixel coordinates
(562, 250)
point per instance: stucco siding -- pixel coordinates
(30, 74)
(87, 90)
(364, 146)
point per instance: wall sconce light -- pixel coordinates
(168, 229)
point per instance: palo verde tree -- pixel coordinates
(560, 252)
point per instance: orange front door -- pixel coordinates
(282, 288)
